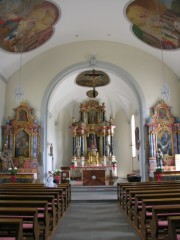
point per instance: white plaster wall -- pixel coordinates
(38, 74)
(122, 142)
(2, 105)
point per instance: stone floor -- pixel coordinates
(94, 215)
(95, 221)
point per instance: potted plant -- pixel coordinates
(57, 175)
(159, 170)
(73, 164)
(13, 171)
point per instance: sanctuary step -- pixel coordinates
(94, 193)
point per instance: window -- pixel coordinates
(133, 141)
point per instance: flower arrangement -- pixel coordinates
(56, 172)
(159, 170)
(13, 171)
(73, 164)
(114, 161)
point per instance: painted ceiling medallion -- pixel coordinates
(156, 22)
(26, 25)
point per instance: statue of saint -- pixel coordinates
(159, 158)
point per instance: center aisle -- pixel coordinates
(94, 220)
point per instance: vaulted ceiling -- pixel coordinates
(31, 27)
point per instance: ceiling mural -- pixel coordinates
(156, 22)
(26, 25)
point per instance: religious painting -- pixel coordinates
(162, 114)
(156, 22)
(22, 144)
(26, 25)
(23, 116)
(164, 142)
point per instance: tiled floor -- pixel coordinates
(94, 215)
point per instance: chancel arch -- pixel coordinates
(121, 106)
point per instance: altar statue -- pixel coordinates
(5, 156)
(93, 158)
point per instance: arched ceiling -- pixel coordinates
(66, 21)
(114, 97)
(40, 25)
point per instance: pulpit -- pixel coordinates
(93, 177)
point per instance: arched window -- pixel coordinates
(133, 140)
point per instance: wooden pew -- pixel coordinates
(145, 187)
(132, 201)
(28, 215)
(146, 214)
(16, 225)
(58, 199)
(49, 198)
(122, 186)
(43, 216)
(173, 228)
(136, 212)
(159, 220)
(66, 187)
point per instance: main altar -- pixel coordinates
(93, 150)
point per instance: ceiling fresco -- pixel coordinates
(156, 22)
(26, 25)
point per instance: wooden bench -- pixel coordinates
(173, 228)
(127, 190)
(122, 186)
(65, 187)
(159, 223)
(146, 214)
(16, 226)
(131, 203)
(48, 198)
(28, 215)
(136, 211)
(43, 216)
(58, 196)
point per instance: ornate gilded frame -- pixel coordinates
(22, 136)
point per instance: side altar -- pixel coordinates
(93, 136)
(162, 142)
(21, 143)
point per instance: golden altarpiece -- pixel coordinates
(93, 142)
(163, 133)
(21, 140)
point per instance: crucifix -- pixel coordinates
(94, 76)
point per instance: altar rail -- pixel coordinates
(20, 178)
(167, 176)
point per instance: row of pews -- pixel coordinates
(31, 211)
(152, 207)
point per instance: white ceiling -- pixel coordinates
(82, 20)
(89, 20)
